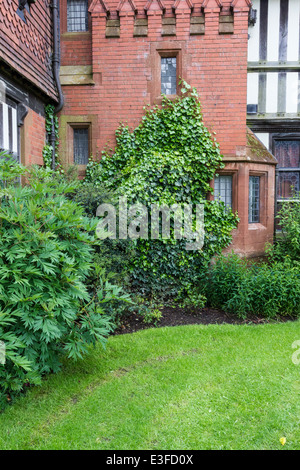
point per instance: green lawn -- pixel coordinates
(190, 387)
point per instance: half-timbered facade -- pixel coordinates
(273, 104)
(26, 77)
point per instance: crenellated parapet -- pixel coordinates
(168, 18)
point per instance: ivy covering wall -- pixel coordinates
(170, 158)
(48, 148)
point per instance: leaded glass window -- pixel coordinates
(9, 132)
(254, 199)
(223, 189)
(288, 184)
(287, 153)
(77, 15)
(168, 76)
(81, 146)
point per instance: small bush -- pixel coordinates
(112, 256)
(152, 316)
(287, 243)
(192, 297)
(48, 305)
(265, 290)
(224, 279)
(90, 197)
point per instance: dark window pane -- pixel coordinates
(81, 146)
(287, 153)
(254, 199)
(288, 184)
(223, 189)
(77, 15)
(168, 76)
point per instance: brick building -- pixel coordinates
(116, 56)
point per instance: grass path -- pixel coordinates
(190, 387)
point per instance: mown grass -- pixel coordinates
(190, 387)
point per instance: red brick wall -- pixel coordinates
(33, 138)
(76, 51)
(125, 68)
(27, 47)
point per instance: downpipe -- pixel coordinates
(55, 69)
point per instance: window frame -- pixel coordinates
(284, 137)
(88, 128)
(166, 49)
(163, 56)
(234, 195)
(168, 54)
(70, 142)
(68, 2)
(67, 123)
(21, 100)
(222, 175)
(12, 128)
(263, 198)
(64, 23)
(259, 200)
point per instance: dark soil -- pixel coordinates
(178, 316)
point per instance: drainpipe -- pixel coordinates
(55, 68)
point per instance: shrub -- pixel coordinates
(152, 316)
(171, 157)
(192, 297)
(47, 306)
(112, 256)
(224, 279)
(90, 196)
(287, 243)
(264, 289)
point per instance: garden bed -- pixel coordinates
(179, 316)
